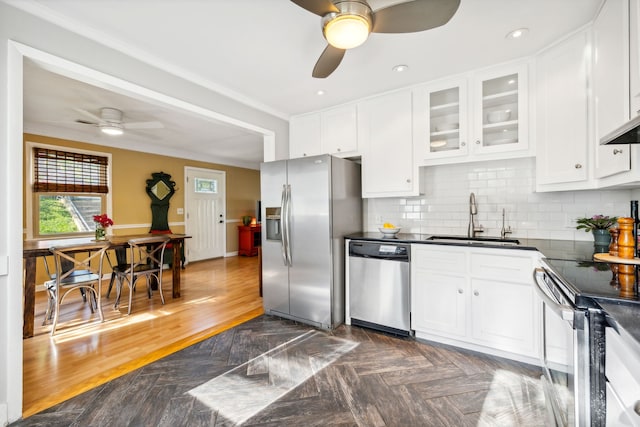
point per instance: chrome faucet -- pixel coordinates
(504, 231)
(473, 211)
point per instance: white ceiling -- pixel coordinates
(262, 53)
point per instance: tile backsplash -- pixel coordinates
(504, 184)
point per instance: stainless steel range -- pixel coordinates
(573, 340)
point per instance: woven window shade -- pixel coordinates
(64, 172)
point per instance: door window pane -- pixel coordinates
(206, 185)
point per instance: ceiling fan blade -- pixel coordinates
(414, 16)
(90, 115)
(319, 7)
(86, 122)
(143, 125)
(328, 62)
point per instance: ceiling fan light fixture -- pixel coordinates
(350, 27)
(113, 129)
(347, 31)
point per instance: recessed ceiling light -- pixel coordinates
(400, 68)
(320, 92)
(517, 34)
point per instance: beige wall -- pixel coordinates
(131, 169)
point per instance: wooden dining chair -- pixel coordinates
(169, 254)
(146, 259)
(74, 273)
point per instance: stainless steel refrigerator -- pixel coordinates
(308, 206)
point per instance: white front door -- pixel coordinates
(205, 213)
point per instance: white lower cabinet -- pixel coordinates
(477, 298)
(623, 381)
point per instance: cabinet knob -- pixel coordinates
(578, 166)
(617, 151)
(460, 291)
(636, 407)
(476, 293)
(304, 154)
(463, 144)
(478, 142)
(408, 181)
(338, 150)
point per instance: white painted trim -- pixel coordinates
(228, 254)
(4, 265)
(3, 414)
(12, 359)
(105, 81)
(233, 220)
(29, 184)
(50, 15)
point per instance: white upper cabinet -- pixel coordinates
(478, 116)
(440, 119)
(304, 136)
(386, 137)
(611, 84)
(634, 56)
(562, 111)
(333, 131)
(339, 130)
(501, 110)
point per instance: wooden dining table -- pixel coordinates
(32, 249)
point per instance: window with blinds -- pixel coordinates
(69, 188)
(57, 171)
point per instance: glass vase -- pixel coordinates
(101, 232)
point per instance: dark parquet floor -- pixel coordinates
(274, 372)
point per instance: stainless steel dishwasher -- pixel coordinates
(379, 285)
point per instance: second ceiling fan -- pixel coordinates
(347, 23)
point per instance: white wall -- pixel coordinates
(23, 28)
(508, 184)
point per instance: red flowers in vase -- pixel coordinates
(103, 220)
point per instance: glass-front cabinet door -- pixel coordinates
(440, 119)
(501, 110)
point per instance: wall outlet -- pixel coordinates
(378, 219)
(180, 211)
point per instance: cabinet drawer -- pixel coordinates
(622, 373)
(506, 266)
(440, 258)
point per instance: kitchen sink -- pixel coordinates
(474, 240)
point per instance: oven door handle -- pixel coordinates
(564, 311)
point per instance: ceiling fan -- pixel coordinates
(110, 121)
(347, 23)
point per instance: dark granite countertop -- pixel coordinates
(559, 249)
(623, 315)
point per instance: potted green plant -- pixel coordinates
(599, 226)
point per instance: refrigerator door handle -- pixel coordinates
(283, 232)
(287, 225)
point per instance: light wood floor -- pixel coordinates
(215, 295)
